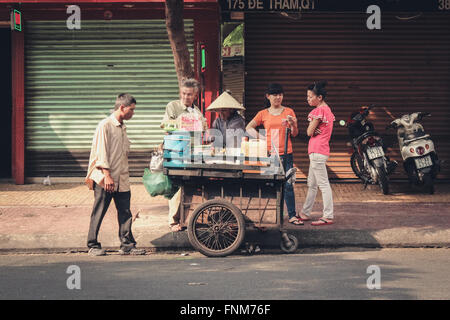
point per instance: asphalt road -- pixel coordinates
(311, 275)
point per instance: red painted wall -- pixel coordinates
(18, 107)
(207, 32)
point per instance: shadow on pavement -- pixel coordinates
(269, 241)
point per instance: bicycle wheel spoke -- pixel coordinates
(228, 239)
(223, 212)
(215, 243)
(212, 216)
(230, 218)
(205, 235)
(209, 241)
(231, 233)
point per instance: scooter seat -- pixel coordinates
(405, 142)
(367, 134)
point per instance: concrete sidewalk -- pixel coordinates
(37, 218)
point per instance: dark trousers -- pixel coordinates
(289, 195)
(101, 204)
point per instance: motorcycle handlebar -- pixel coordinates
(366, 112)
(362, 114)
(423, 114)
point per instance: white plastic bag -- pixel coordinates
(291, 175)
(156, 162)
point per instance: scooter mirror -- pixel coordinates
(392, 125)
(423, 114)
(359, 117)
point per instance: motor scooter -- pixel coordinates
(420, 159)
(368, 161)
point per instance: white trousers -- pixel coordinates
(318, 179)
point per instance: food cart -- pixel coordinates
(224, 195)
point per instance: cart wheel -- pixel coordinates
(216, 228)
(294, 244)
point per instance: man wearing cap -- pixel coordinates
(229, 122)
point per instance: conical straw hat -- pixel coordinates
(225, 101)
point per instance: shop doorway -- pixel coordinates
(6, 103)
(233, 58)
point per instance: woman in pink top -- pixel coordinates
(319, 130)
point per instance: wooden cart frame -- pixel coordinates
(219, 202)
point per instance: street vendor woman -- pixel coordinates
(228, 128)
(276, 118)
(184, 106)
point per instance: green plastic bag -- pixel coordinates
(158, 184)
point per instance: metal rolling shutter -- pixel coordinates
(73, 78)
(233, 78)
(405, 67)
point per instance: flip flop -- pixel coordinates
(322, 222)
(301, 219)
(176, 228)
(296, 221)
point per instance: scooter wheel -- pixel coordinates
(383, 180)
(357, 165)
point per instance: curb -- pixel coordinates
(46, 229)
(308, 239)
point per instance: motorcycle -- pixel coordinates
(420, 160)
(368, 161)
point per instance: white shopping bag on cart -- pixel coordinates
(156, 162)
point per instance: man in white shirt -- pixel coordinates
(108, 175)
(189, 89)
(185, 105)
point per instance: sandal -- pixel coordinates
(301, 219)
(296, 221)
(176, 228)
(322, 222)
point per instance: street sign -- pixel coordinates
(16, 20)
(333, 5)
